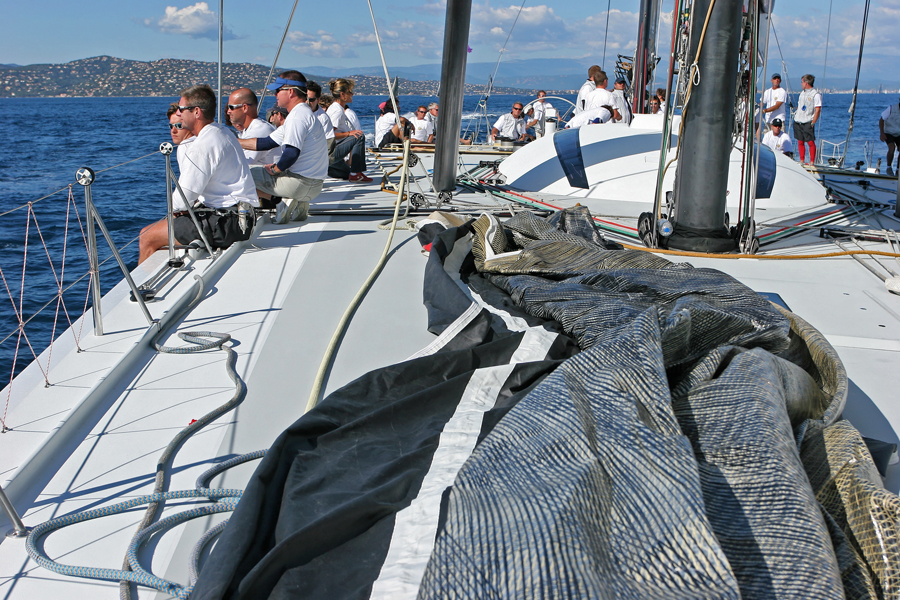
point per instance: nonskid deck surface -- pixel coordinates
(281, 300)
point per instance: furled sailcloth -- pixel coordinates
(590, 422)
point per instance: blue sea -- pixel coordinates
(49, 139)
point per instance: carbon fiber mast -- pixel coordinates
(701, 179)
(645, 57)
(453, 77)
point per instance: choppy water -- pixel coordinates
(48, 139)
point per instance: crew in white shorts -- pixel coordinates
(298, 175)
(243, 111)
(422, 129)
(511, 126)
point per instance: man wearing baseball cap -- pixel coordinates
(777, 139)
(774, 99)
(618, 93)
(298, 175)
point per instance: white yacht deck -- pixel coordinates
(280, 297)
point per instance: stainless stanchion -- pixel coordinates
(85, 176)
(897, 204)
(19, 530)
(166, 148)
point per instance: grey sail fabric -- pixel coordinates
(664, 460)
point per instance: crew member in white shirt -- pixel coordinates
(622, 102)
(889, 126)
(276, 116)
(348, 141)
(809, 109)
(387, 130)
(601, 96)
(601, 114)
(774, 100)
(538, 114)
(243, 111)
(214, 174)
(422, 129)
(297, 177)
(777, 139)
(313, 94)
(511, 126)
(586, 88)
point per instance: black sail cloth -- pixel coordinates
(661, 461)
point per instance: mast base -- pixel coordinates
(713, 241)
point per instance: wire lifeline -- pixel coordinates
(764, 256)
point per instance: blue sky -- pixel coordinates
(341, 36)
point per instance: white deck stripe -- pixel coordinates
(416, 526)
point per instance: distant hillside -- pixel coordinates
(109, 76)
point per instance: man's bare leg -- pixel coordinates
(153, 237)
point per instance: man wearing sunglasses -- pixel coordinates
(298, 175)
(422, 129)
(243, 110)
(511, 126)
(313, 93)
(215, 176)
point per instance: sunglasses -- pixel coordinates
(187, 108)
(176, 126)
(420, 112)
(235, 106)
(517, 108)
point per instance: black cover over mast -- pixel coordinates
(701, 180)
(453, 77)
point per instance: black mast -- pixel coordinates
(453, 77)
(701, 178)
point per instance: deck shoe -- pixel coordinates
(360, 178)
(283, 212)
(301, 211)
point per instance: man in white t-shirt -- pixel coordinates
(538, 114)
(214, 174)
(298, 175)
(774, 100)
(243, 111)
(313, 93)
(422, 130)
(777, 139)
(602, 97)
(511, 126)
(586, 88)
(601, 114)
(809, 109)
(621, 101)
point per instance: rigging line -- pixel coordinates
(387, 76)
(278, 53)
(862, 43)
(825, 65)
(125, 163)
(490, 84)
(606, 33)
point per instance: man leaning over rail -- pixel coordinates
(214, 172)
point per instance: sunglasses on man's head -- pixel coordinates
(176, 126)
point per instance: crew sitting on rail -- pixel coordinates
(298, 175)
(387, 130)
(601, 114)
(214, 173)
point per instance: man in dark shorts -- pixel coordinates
(214, 172)
(889, 125)
(809, 109)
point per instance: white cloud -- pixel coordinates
(196, 21)
(404, 37)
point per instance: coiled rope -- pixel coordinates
(224, 499)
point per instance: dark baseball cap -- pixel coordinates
(620, 80)
(776, 76)
(777, 123)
